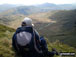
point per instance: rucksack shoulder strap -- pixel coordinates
(35, 46)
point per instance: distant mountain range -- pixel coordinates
(26, 10)
(5, 7)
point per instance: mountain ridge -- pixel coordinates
(45, 7)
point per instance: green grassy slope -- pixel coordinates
(5, 41)
(64, 29)
(66, 24)
(11, 18)
(6, 47)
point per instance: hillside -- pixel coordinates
(15, 20)
(55, 25)
(6, 48)
(8, 19)
(5, 41)
(64, 29)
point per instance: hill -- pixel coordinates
(24, 10)
(6, 49)
(64, 29)
(5, 7)
(27, 10)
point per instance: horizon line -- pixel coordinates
(36, 4)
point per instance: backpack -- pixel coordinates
(23, 38)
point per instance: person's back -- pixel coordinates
(23, 40)
(27, 42)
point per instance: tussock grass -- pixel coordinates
(6, 49)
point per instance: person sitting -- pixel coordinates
(27, 42)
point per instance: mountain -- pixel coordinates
(6, 49)
(51, 6)
(34, 9)
(46, 5)
(24, 10)
(67, 6)
(5, 7)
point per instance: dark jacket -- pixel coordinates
(31, 45)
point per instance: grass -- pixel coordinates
(5, 41)
(6, 49)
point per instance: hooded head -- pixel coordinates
(27, 22)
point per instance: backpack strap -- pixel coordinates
(17, 45)
(39, 51)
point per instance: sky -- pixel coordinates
(34, 2)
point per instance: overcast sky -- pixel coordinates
(32, 2)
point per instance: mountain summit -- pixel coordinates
(47, 5)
